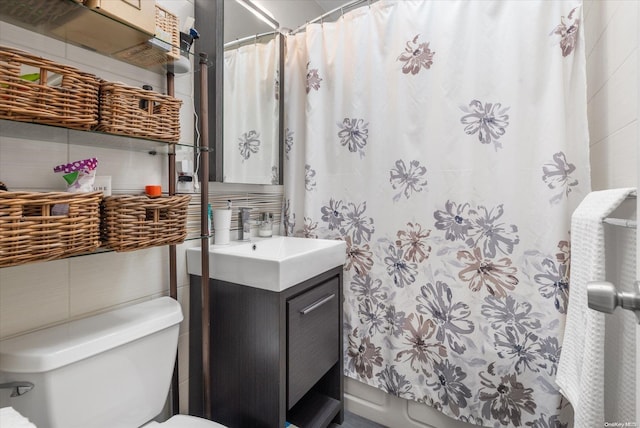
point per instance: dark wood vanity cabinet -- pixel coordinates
(276, 357)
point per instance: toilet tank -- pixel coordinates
(111, 370)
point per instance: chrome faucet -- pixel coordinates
(244, 223)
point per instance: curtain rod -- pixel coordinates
(631, 224)
(331, 12)
(235, 42)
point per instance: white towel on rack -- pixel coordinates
(581, 367)
(10, 418)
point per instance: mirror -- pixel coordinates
(251, 110)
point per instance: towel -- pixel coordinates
(581, 366)
(10, 418)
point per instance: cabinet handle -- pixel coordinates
(315, 305)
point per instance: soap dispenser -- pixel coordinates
(265, 229)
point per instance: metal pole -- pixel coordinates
(173, 271)
(204, 213)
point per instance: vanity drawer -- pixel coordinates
(313, 321)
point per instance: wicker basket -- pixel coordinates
(164, 48)
(135, 222)
(126, 110)
(72, 101)
(29, 232)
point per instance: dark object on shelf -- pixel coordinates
(3, 187)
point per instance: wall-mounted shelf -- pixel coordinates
(49, 133)
(71, 22)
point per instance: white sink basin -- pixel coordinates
(273, 264)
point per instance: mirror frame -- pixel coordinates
(209, 20)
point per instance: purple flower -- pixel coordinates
(353, 134)
(403, 272)
(288, 218)
(363, 287)
(450, 317)
(523, 350)
(363, 355)
(416, 56)
(507, 312)
(249, 143)
(358, 257)
(394, 383)
(309, 178)
(487, 232)
(408, 180)
(568, 31)
(332, 214)
(497, 276)
(454, 221)
(450, 386)
(372, 315)
(313, 79)
(413, 242)
(356, 223)
(557, 175)
(488, 120)
(505, 398)
(554, 283)
(309, 228)
(421, 352)
(288, 142)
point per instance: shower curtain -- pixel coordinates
(446, 143)
(251, 113)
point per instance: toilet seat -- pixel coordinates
(184, 421)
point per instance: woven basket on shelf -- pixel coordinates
(126, 110)
(165, 47)
(29, 232)
(136, 222)
(58, 95)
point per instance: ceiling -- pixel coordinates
(291, 14)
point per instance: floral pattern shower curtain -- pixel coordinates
(446, 143)
(251, 113)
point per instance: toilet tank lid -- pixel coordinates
(63, 344)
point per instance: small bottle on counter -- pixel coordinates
(265, 229)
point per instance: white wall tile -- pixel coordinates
(129, 171)
(28, 165)
(33, 296)
(611, 29)
(36, 44)
(597, 17)
(616, 104)
(103, 280)
(613, 47)
(623, 156)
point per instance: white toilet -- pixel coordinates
(111, 370)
